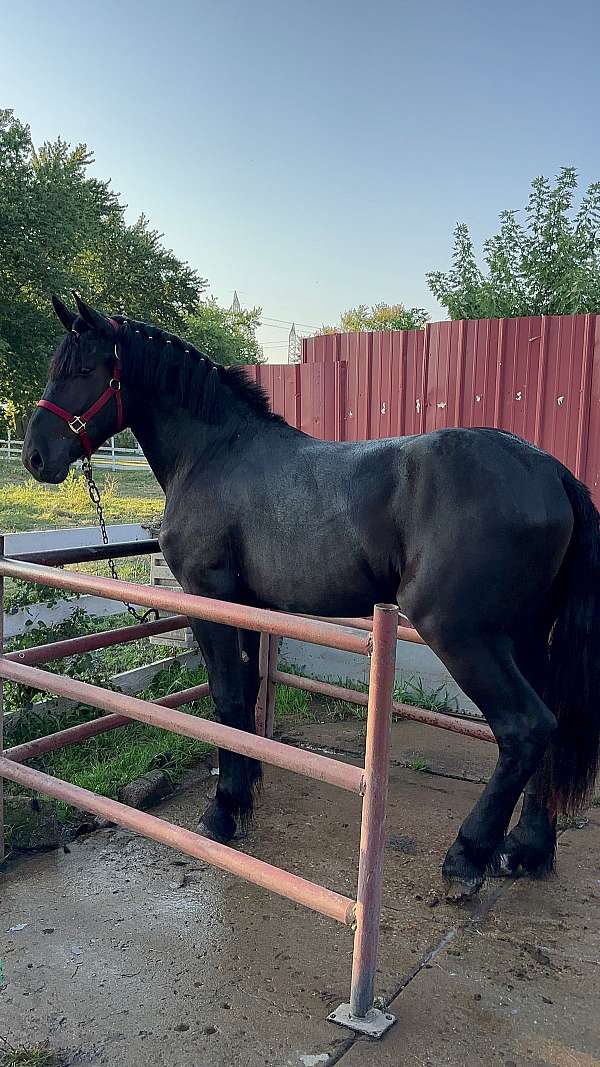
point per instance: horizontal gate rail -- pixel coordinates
(241, 864)
(321, 768)
(221, 611)
(73, 735)
(405, 633)
(73, 646)
(403, 711)
(60, 557)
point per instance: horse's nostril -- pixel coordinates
(36, 460)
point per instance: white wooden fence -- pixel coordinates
(109, 455)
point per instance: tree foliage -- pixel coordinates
(545, 263)
(62, 229)
(226, 336)
(379, 317)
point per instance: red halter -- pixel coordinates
(78, 423)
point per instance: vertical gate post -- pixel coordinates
(271, 687)
(265, 701)
(360, 1014)
(260, 712)
(2, 852)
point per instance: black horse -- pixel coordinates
(489, 545)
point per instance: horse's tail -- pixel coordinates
(573, 686)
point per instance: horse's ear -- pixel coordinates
(66, 317)
(94, 318)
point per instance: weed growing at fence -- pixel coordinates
(418, 763)
(18, 595)
(409, 691)
(21, 594)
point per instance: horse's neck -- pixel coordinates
(173, 440)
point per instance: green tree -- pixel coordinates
(547, 264)
(226, 336)
(60, 229)
(379, 317)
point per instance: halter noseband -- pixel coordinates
(77, 423)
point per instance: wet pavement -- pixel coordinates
(123, 952)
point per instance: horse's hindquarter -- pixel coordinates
(486, 524)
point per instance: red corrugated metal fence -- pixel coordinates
(538, 377)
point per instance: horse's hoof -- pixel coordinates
(217, 826)
(463, 878)
(523, 859)
(458, 890)
(205, 831)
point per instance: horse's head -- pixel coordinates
(84, 369)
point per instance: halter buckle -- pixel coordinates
(114, 384)
(77, 424)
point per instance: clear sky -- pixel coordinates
(312, 155)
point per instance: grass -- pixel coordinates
(418, 763)
(127, 496)
(409, 691)
(28, 1055)
(110, 760)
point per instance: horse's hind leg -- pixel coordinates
(522, 726)
(531, 847)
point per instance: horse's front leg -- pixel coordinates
(231, 659)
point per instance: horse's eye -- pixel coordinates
(85, 371)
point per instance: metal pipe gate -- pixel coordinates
(376, 639)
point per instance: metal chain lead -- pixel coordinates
(94, 493)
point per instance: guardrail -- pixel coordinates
(369, 781)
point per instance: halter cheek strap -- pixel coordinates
(78, 423)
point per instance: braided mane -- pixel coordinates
(158, 361)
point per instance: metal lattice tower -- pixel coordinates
(236, 307)
(294, 346)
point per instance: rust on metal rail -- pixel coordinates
(251, 869)
(321, 768)
(221, 611)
